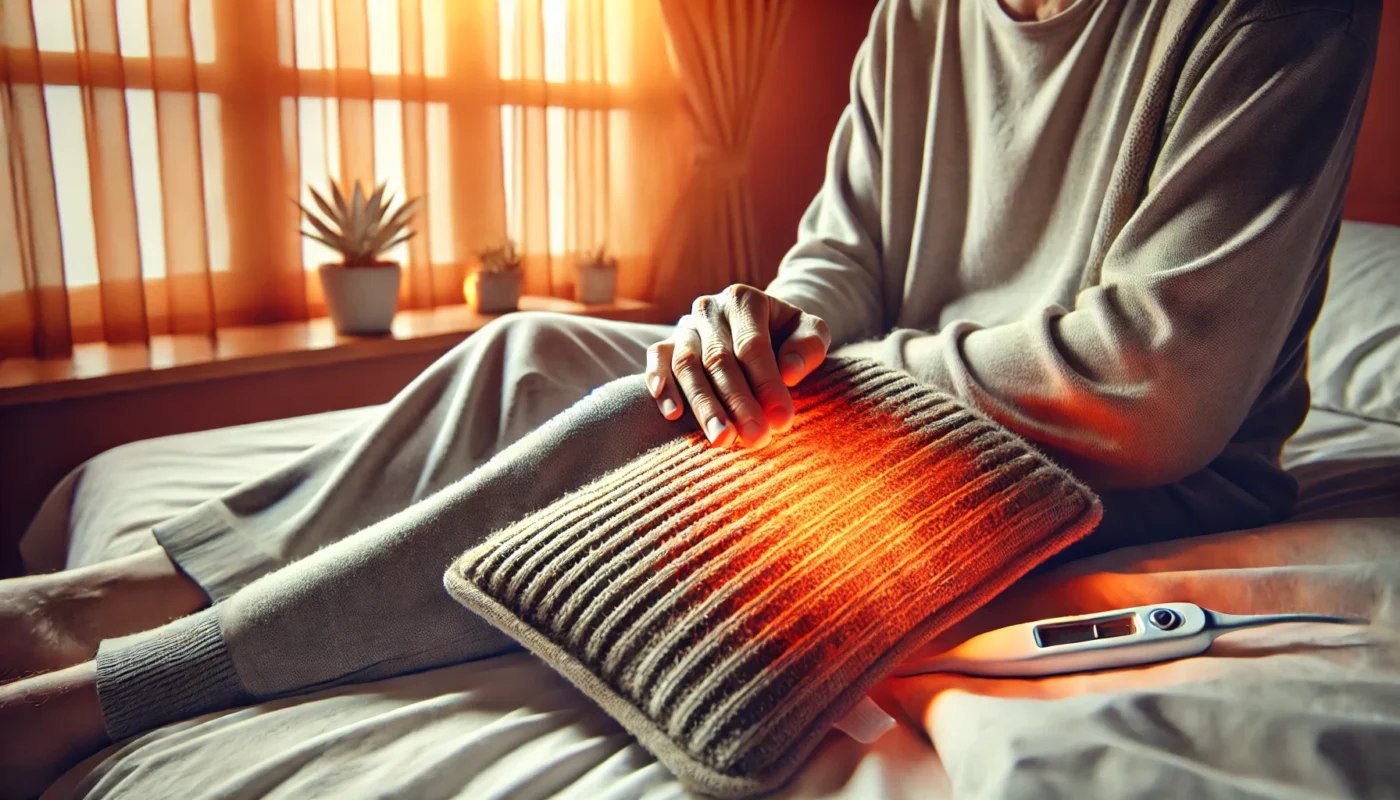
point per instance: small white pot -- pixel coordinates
(594, 285)
(497, 292)
(361, 300)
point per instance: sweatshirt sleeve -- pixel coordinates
(834, 269)
(1149, 375)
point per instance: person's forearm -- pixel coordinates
(845, 298)
(1144, 427)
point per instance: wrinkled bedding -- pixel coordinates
(1300, 710)
(1289, 711)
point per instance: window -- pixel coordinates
(358, 87)
(56, 36)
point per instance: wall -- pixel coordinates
(809, 87)
(1374, 194)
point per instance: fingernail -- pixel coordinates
(654, 385)
(715, 428)
(668, 406)
(793, 363)
(780, 418)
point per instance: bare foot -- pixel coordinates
(48, 723)
(48, 622)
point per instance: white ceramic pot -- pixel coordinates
(497, 292)
(361, 300)
(595, 286)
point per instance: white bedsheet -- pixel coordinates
(1289, 711)
(107, 506)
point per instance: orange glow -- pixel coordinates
(469, 290)
(873, 515)
(774, 577)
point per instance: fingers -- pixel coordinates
(748, 317)
(661, 382)
(805, 344)
(688, 367)
(727, 377)
(721, 361)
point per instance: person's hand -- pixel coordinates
(733, 358)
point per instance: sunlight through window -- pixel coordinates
(313, 129)
(132, 28)
(384, 56)
(554, 43)
(441, 248)
(211, 144)
(388, 158)
(145, 173)
(68, 139)
(53, 26)
(312, 47)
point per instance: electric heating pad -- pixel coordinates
(727, 606)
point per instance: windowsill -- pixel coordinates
(100, 368)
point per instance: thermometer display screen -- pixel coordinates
(1085, 631)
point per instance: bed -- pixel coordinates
(1290, 711)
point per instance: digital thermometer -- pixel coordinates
(1122, 638)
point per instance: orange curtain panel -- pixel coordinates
(724, 50)
(33, 305)
(153, 148)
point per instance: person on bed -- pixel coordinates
(1105, 224)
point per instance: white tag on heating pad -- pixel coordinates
(865, 722)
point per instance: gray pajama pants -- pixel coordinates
(329, 570)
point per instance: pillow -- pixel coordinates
(1354, 353)
(727, 606)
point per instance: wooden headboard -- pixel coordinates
(1374, 195)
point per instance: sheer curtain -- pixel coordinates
(724, 52)
(153, 148)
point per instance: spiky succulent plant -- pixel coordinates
(597, 258)
(502, 258)
(362, 228)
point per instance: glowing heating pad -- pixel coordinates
(728, 606)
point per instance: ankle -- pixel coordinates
(123, 596)
(48, 723)
(48, 622)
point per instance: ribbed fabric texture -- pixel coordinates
(171, 673)
(728, 605)
(208, 549)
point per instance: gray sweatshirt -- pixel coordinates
(1110, 230)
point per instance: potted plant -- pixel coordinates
(362, 289)
(595, 277)
(497, 279)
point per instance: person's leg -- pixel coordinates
(485, 394)
(369, 606)
(52, 621)
(488, 392)
(47, 723)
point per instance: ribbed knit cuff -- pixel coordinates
(171, 673)
(217, 556)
